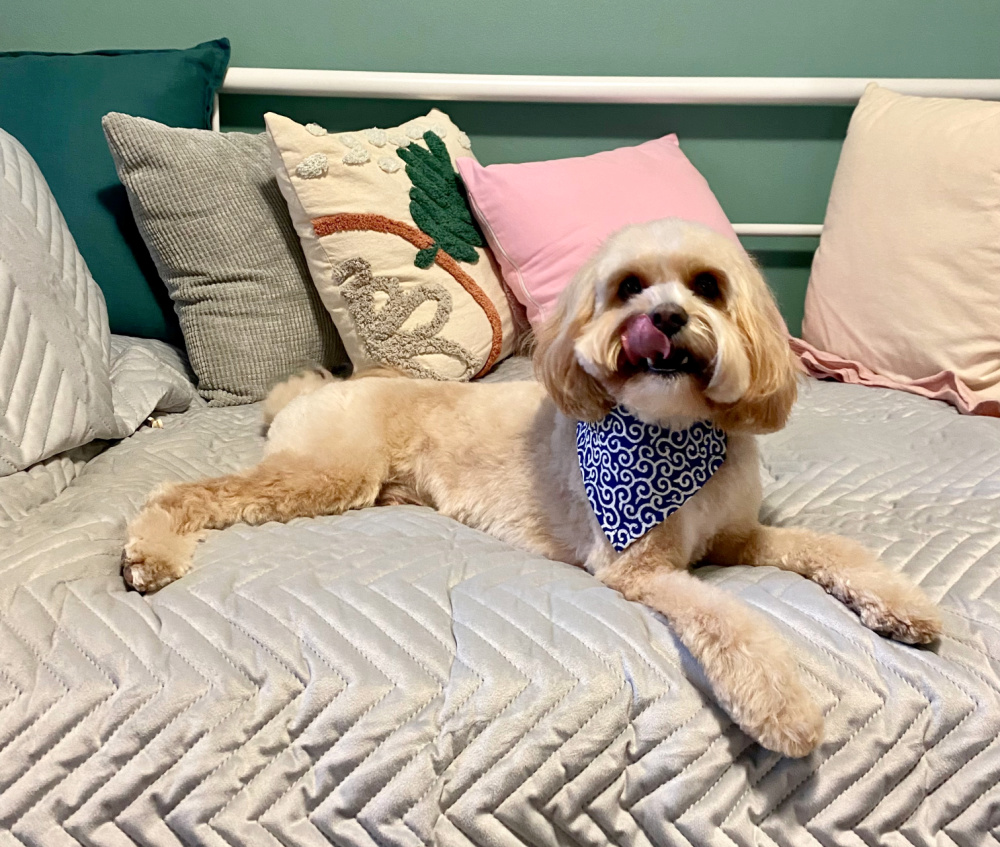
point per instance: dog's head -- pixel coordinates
(674, 322)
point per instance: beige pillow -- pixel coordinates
(392, 247)
(905, 286)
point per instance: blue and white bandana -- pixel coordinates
(638, 474)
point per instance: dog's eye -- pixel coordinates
(706, 285)
(629, 287)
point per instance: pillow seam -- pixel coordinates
(493, 237)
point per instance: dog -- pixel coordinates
(669, 323)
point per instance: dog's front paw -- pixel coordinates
(781, 715)
(889, 604)
(155, 553)
(758, 682)
(912, 619)
(795, 730)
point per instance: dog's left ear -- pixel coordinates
(577, 394)
(773, 385)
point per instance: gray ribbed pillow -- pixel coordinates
(208, 206)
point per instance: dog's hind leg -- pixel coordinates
(162, 537)
(886, 602)
(752, 673)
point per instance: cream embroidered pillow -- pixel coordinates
(392, 246)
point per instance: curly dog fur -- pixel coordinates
(502, 457)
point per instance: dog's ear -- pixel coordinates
(577, 394)
(773, 384)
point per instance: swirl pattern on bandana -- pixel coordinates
(638, 474)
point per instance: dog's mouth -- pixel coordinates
(645, 349)
(677, 363)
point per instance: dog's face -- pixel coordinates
(674, 322)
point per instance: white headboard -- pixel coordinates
(789, 91)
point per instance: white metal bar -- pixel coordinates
(589, 89)
(787, 91)
(781, 230)
(215, 113)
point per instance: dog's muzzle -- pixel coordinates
(647, 342)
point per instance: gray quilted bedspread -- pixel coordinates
(390, 677)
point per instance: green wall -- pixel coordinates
(765, 163)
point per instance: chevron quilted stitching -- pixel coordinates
(95, 786)
(263, 769)
(635, 715)
(638, 648)
(389, 689)
(987, 744)
(279, 710)
(417, 709)
(35, 720)
(614, 695)
(928, 752)
(543, 714)
(754, 784)
(974, 646)
(629, 749)
(205, 732)
(55, 377)
(589, 798)
(376, 791)
(506, 755)
(842, 746)
(24, 813)
(36, 795)
(990, 799)
(34, 783)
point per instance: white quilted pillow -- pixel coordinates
(55, 379)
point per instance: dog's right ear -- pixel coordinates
(577, 394)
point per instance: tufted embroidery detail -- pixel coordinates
(358, 156)
(437, 204)
(349, 222)
(313, 167)
(381, 328)
(357, 153)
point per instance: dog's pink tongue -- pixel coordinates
(642, 340)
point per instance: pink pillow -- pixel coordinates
(543, 220)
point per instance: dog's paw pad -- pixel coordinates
(147, 575)
(134, 578)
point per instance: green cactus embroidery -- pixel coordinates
(437, 203)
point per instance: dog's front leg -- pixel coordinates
(752, 673)
(886, 602)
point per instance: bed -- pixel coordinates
(391, 677)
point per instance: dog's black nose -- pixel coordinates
(670, 321)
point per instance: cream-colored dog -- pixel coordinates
(669, 320)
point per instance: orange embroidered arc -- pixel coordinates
(348, 222)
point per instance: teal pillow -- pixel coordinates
(53, 104)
